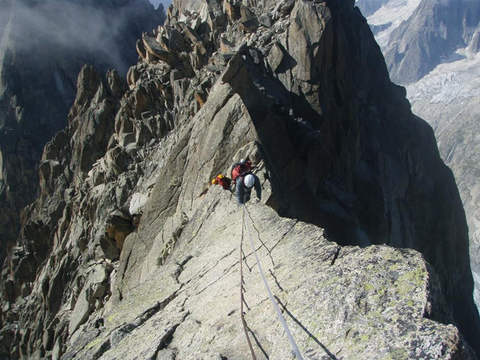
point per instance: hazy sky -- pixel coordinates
(71, 26)
(164, 2)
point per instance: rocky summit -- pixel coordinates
(130, 252)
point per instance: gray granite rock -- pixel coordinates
(347, 302)
(40, 59)
(347, 174)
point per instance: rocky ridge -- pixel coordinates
(128, 242)
(43, 46)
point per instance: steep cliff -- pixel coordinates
(43, 46)
(130, 253)
(448, 96)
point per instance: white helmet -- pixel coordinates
(249, 180)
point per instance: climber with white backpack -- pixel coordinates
(244, 181)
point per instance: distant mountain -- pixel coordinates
(369, 7)
(430, 36)
(43, 46)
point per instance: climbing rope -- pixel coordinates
(242, 299)
(270, 295)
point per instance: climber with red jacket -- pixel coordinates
(223, 181)
(244, 181)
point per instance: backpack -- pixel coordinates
(241, 169)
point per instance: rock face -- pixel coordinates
(43, 46)
(430, 36)
(348, 173)
(368, 7)
(384, 310)
(448, 99)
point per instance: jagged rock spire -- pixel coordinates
(43, 46)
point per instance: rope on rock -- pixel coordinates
(270, 295)
(242, 299)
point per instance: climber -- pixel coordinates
(241, 168)
(223, 181)
(244, 185)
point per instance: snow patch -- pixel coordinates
(449, 81)
(476, 294)
(393, 13)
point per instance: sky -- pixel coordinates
(165, 3)
(71, 26)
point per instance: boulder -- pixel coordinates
(191, 35)
(250, 25)
(94, 287)
(284, 7)
(232, 10)
(142, 100)
(154, 48)
(109, 249)
(246, 14)
(275, 56)
(141, 49)
(265, 20)
(137, 203)
(176, 42)
(81, 312)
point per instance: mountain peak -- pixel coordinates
(430, 36)
(135, 253)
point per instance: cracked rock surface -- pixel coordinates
(347, 174)
(389, 308)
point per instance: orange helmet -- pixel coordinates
(215, 181)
